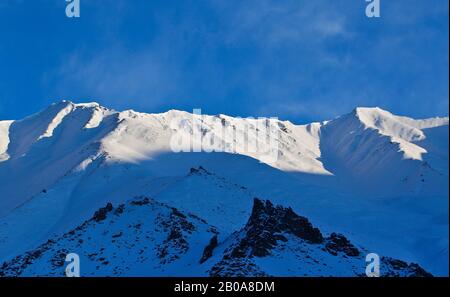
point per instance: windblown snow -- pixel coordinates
(378, 178)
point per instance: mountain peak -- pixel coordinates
(284, 220)
(278, 233)
(370, 114)
(69, 159)
(200, 170)
(88, 104)
(365, 109)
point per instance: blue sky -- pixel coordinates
(298, 60)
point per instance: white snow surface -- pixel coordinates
(380, 179)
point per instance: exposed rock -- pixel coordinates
(100, 214)
(175, 244)
(140, 201)
(267, 225)
(119, 210)
(339, 243)
(208, 251)
(397, 268)
(117, 234)
(271, 231)
(199, 170)
(283, 127)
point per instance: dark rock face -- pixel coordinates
(175, 245)
(59, 258)
(208, 251)
(339, 243)
(100, 214)
(267, 225)
(396, 268)
(283, 127)
(269, 230)
(199, 170)
(418, 271)
(140, 201)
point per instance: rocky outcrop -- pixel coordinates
(100, 214)
(155, 237)
(176, 244)
(338, 243)
(276, 231)
(208, 251)
(268, 224)
(114, 239)
(398, 268)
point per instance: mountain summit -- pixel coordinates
(379, 178)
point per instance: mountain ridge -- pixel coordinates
(76, 157)
(170, 246)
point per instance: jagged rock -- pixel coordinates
(418, 271)
(119, 209)
(177, 223)
(283, 127)
(273, 230)
(167, 232)
(100, 214)
(339, 243)
(176, 212)
(208, 251)
(193, 171)
(273, 237)
(398, 268)
(141, 201)
(267, 225)
(199, 170)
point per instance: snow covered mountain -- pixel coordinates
(378, 178)
(388, 152)
(143, 237)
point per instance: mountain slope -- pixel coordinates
(376, 174)
(370, 143)
(139, 238)
(145, 238)
(54, 141)
(276, 241)
(383, 153)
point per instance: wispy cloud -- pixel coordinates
(296, 59)
(273, 22)
(118, 76)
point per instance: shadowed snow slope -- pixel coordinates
(145, 238)
(387, 154)
(379, 178)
